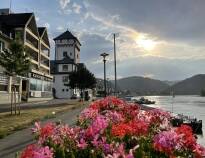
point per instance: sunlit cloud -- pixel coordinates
(145, 43)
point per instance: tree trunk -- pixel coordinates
(15, 99)
(19, 103)
(11, 100)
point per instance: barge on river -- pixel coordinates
(195, 124)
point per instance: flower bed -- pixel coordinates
(112, 128)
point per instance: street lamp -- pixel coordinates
(104, 60)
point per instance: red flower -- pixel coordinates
(134, 127)
(188, 138)
(120, 130)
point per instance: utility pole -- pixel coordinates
(10, 6)
(115, 92)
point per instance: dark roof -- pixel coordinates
(15, 20)
(54, 65)
(66, 35)
(66, 60)
(41, 30)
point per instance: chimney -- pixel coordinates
(5, 11)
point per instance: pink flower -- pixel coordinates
(82, 144)
(167, 141)
(97, 127)
(34, 151)
(199, 151)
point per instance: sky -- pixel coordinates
(160, 39)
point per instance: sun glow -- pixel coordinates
(145, 43)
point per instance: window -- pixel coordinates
(65, 78)
(67, 90)
(35, 85)
(3, 87)
(63, 90)
(71, 54)
(2, 46)
(65, 67)
(65, 54)
(47, 86)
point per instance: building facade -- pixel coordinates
(38, 83)
(67, 58)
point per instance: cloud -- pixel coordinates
(64, 3)
(47, 25)
(37, 19)
(76, 8)
(60, 28)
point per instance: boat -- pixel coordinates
(128, 98)
(142, 100)
(195, 124)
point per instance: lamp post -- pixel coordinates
(104, 60)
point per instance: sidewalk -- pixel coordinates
(17, 141)
(31, 105)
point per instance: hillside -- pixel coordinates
(141, 86)
(189, 86)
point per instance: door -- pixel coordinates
(24, 95)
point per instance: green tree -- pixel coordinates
(203, 92)
(15, 62)
(82, 79)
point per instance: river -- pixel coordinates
(193, 106)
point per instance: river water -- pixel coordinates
(193, 106)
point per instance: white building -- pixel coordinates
(67, 58)
(37, 84)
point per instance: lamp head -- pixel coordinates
(104, 55)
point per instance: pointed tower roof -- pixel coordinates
(66, 35)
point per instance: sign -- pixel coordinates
(40, 77)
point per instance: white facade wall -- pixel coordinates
(64, 46)
(62, 91)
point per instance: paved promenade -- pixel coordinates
(17, 141)
(33, 105)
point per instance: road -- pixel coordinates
(32, 105)
(17, 141)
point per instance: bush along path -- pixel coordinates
(112, 128)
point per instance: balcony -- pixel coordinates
(44, 61)
(45, 51)
(32, 54)
(32, 41)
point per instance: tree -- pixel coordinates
(202, 93)
(15, 62)
(82, 79)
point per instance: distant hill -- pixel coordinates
(146, 86)
(171, 83)
(189, 86)
(141, 86)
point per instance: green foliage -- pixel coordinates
(15, 61)
(82, 79)
(203, 92)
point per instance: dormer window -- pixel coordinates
(65, 54)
